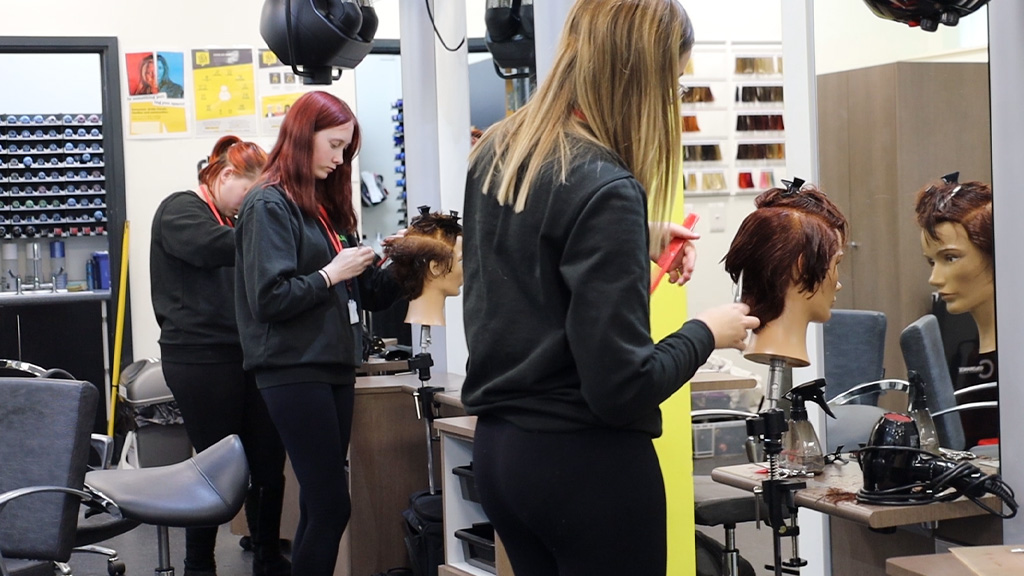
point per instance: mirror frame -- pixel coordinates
(113, 144)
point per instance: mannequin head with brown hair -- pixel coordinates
(956, 238)
(786, 255)
(427, 264)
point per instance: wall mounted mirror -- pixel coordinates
(898, 108)
(62, 183)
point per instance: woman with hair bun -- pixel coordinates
(192, 275)
(427, 264)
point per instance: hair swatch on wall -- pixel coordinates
(745, 180)
(696, 94)
(702, 153)
(690, 181)
(690, 124)
(761, 151)
(688, 70)
(767, 179)
(756, 65)
(758, 122)
(759, 93)
(713, 181)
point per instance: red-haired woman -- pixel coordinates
(192, 274)
(301, 283)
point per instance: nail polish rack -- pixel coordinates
(52, 176)
(734, 139)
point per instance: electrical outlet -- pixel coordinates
(717, 217)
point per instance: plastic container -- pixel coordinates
(478, 546)
(467, 482)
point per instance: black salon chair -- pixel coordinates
(854, 344)
(716, 504)
(923, 351)
(45, 429)
(45, 425)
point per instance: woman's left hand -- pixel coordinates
(680, 270)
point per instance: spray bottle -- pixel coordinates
(801, 449)
(922, 417)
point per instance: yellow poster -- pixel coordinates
(279, 88)
(225, 93)
(151, 118)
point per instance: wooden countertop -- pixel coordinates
(461, 426)
(452, 383)
(927, 565)
(711, 381)
(833, 491)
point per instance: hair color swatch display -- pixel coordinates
(733, 125)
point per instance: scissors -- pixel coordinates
(671, 251)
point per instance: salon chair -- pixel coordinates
(45, 429)
(856, 416)
(716, 504)
(923, 351)
(205, 490)
(854, 343)
(40, 527)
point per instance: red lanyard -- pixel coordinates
(332, 235)
(216, 213)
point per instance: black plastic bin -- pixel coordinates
(467, 482)
(478, 545)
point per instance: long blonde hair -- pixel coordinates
(614, 82)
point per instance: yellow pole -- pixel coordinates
(122, 289)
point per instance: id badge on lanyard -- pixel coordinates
(337, 242)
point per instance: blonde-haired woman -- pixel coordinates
(562, 370)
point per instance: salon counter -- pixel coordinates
(834, 493)
(387, 463)
(864, 536)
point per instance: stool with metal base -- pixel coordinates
(720, 505)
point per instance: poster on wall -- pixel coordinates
(279, 89)
(225, 91)
(156, 94)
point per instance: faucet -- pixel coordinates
(17, 285)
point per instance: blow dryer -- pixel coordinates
(897, 472)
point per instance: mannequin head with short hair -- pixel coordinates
(956, 238)
(787, 252)
(427, 265)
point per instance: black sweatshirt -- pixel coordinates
(192, 282)
(293, 327)
(556, 305)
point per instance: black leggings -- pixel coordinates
(217, 400)
(584, 503)
(315, 422)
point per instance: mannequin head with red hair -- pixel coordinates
(786, 255)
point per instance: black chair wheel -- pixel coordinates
(115, 567)
(246, 543)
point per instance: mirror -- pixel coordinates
(898, 107)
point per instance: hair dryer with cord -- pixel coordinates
(898, 472)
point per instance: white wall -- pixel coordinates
(849, 36)
(153, 168)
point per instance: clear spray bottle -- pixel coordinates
(801, 448)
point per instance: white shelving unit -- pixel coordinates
(460, 513)
(734, 112)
